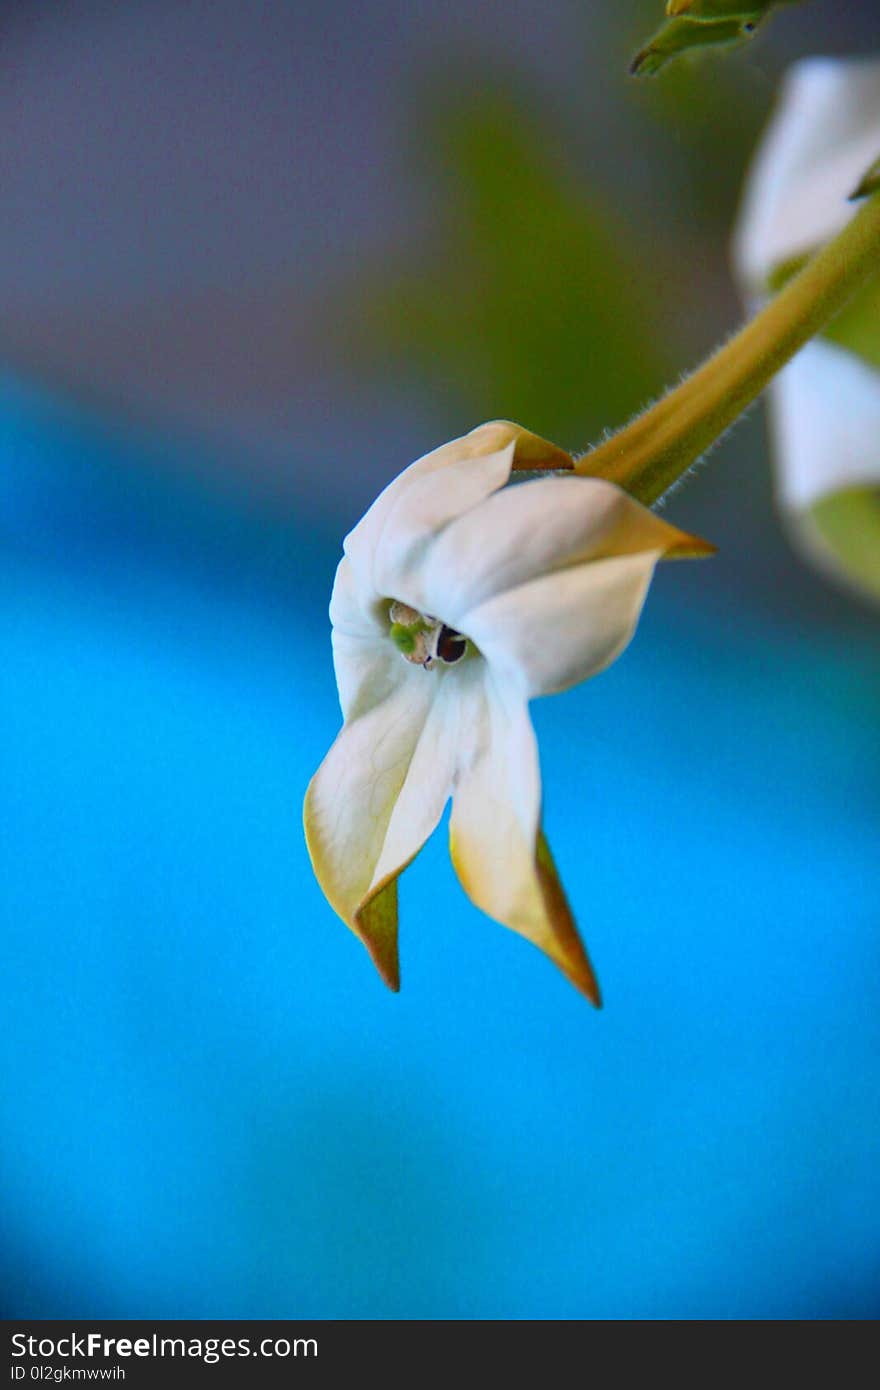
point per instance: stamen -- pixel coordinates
(404, 615)
(422, 639)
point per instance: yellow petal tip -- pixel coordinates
(690, 548)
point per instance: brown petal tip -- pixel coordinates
(567, 950)
(531, 452)
(376, 924)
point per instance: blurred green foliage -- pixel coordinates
(536, 290)
(712, 115)
(695, 25)
(533, 302)
(858, 326)
(848, 525)
(683, 35)
(553, 269)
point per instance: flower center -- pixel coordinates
(424, 640)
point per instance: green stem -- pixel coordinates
(652, 452)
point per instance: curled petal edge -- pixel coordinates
(530, 451)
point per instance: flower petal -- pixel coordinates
(538, 528)
(347, 613)
(427, 505)
(825, 416)
(367, 671)
(377, 928)
(503, 864)
(431, 771)
(379, 794)
(351, 798)
(362, 543)
(558, 630)
(824, 135)
(826, 422)
(413, 507)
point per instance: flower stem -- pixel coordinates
(652, 452)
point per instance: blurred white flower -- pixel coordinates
(825, 405)
(457, 600)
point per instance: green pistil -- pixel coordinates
(404, 638)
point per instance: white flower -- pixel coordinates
(825, 405)
(457, 600)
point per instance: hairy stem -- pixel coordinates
(652, 452)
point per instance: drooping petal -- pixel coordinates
(378, 795)
(680, 34)
(415, 506)
(558, 630)
(351, 798)
(382, 787)
(501, 859)
(825, 414)
(823, 137)
(427, 786)
(826, 421)
(538, 528)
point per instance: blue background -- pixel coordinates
(211, 1107)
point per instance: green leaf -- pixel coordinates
(694, 25)
(708, 11)
(685, 35)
